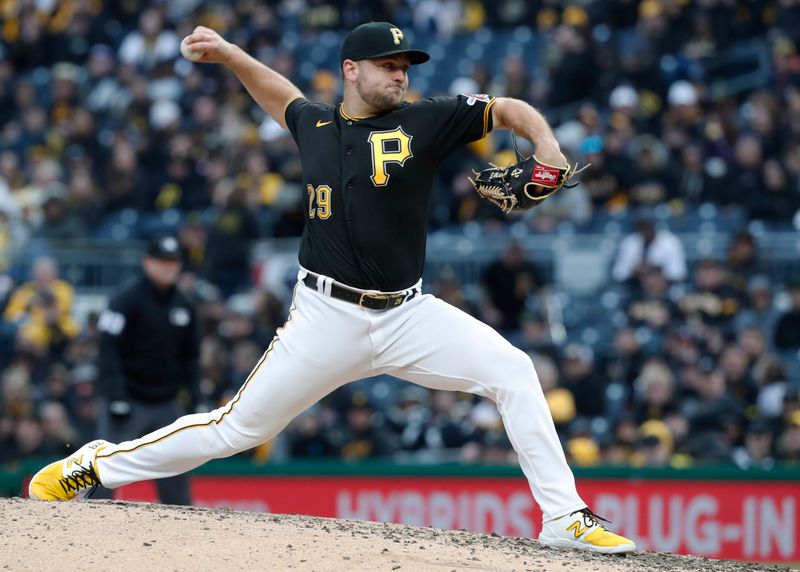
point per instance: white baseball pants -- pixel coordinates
(327, 343)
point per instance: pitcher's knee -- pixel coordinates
(518, 370)
(237, 432)
(523, 363)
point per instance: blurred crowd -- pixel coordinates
(100, 117)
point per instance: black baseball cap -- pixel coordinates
(164, 247)
(378, 40)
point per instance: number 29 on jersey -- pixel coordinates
(319, 201)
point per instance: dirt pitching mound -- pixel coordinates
(120, 536)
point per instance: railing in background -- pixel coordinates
(91, 267)
(98, 268)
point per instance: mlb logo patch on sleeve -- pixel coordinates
(545, 176)
(473, 97)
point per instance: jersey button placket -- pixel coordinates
(348, 172)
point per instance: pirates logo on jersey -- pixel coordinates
(388, 147)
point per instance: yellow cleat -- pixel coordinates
(70, 478)
(582, 530)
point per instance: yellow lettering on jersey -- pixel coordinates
(388, 147)
(578, 529)
(323, 202)
(397, 34)
(322, 196)
(311, 210)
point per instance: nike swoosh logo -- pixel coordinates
(321, 123)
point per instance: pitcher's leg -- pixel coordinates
(444, 348)
(302, 365)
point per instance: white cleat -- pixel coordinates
(582, 530)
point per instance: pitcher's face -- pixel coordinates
(382, 83)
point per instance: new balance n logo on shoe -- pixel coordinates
(577, 529)
(73, 461)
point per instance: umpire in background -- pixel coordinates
(149, 358)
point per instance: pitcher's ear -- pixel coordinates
(350, 70)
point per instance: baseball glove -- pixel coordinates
(524, 184)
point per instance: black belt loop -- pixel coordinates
(363, 299)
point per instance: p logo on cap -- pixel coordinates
(379, 40)
(397, 34)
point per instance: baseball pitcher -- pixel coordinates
(357, 309)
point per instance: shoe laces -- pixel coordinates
(590, 519)
(81, 478)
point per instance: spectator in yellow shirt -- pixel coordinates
(42, 308)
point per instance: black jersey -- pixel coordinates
(369, 182)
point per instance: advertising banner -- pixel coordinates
(744, 520)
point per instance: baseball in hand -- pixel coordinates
(189, 53)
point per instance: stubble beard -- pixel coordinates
(381, 99)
